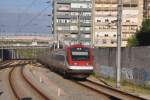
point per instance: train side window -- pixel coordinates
(61, 58)
(56, 57)
(67, 58)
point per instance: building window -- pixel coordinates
(98, 20)
(104, 41)
(112, 42)
(127, 21)
(97, 35)
(106, 20)
(106, 35)
(114, 35)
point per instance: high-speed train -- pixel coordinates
(75, 61)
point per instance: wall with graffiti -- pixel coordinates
(135, 64)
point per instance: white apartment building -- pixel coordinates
(72, 21)
(105, 21)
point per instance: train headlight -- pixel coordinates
(87, 63)
(75, 63)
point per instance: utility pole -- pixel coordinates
(54, 5)
(119, 40)
(54, 22)
(1, 44)
(93, 23)
(79, 34)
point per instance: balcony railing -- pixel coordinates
(73, 1)
(63, 16)
(106, 1)
(106, 8)
(81, 9)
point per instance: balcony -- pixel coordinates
(106, 2)
(72, 1)
(105, 30)
(74, 31)
(105, 24)
(130, 5)
(63, 10)
(85, 24)
(128, 31)
(81, 17)
(63, 31)
(86, 36)
(63, 1)
(106, 15)
(63, 16)
(81, 9)
(129, 24)
(85, 31)
(106, 8)
(63, 24)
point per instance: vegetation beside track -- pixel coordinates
(127, 86)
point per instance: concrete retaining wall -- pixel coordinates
(135, 63)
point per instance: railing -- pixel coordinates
(20, 46)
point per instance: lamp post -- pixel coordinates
(119, 32)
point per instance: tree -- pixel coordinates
(132, 41)
(145, 26)
(142, 37)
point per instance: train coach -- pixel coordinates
(73, 61)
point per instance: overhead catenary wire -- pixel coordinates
(25, 10)
(35, 17)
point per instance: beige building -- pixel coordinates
(146, 9)
(105, 21)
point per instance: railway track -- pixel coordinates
(5, 64)
(29, 91)
(19, 93)
(112, 93)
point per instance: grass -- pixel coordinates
(93, 74)
(135, 88)
(128, 86)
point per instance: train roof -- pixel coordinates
(77, 45)
(60, 52)
(63, 51)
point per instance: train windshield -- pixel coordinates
(80, 54)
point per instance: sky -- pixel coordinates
(24, 17)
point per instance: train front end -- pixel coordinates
(80, 61)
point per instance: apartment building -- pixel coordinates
(147, 9)
(72, 21)
(105, 21)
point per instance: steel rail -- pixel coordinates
(11, 84)
(112, 93)
(33, 86)
(23, 76)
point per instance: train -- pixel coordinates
(72, 61)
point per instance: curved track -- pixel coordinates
(11, 85)
(22, 88)
(112, 93)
